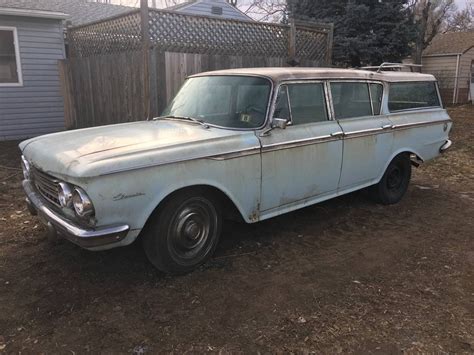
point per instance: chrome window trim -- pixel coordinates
(372, 101)
(302, 81)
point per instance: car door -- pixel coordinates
(301, 163)
(368, 136)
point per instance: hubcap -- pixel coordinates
(394, 178)
(192, 229)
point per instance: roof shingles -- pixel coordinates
(80, 11)
(450, 43)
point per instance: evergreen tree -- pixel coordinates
(366, 32)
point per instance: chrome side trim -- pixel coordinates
(363, 132)
(237, 154)
(298, 143)
(417, 124)
(283, 145)
(390, 128)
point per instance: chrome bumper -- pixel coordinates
(446, 146)
(56, 224)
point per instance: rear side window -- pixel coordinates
(408, 96)
(351, 100)
(307, 103)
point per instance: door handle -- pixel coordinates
(337, 134)
(387, 126)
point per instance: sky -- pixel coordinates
(461, 4)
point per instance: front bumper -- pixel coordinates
(56, 224)
(446, 146)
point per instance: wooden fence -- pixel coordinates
(127, 68)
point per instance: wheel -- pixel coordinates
(394, 183)
(183, 233)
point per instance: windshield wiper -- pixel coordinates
(187, 118)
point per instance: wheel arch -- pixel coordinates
(408, 151)
(232, 208)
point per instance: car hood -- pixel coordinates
(107, 149)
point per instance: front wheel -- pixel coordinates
(394, 183)
(183, 233)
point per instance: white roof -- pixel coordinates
(287, 73)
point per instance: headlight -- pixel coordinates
(82, 203)
(64, 194)
(26, 168)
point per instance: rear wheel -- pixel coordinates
(183, 233)
(394, 183)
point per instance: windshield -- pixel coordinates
(226, 101)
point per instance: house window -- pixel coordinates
(10, 71)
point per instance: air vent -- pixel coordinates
(216, 10)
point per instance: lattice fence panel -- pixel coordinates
(174, 32)
(115, 35)
(311, 44)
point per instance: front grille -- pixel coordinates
(46, 185)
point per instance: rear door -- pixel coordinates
(367, 133)
(302, 162)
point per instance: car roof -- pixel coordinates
(287, 73)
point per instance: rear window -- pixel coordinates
(408, 96)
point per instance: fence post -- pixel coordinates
(292, 61)
(330, 38)
(65, 78)
(144, 22)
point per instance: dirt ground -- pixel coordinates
(343, 276)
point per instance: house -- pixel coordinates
(450, 57)
(79, 11)
(31, 44)
(213, 8)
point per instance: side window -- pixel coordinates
(282, 109)
(307, 103)
(351, 100)
(376, 93)
(406, 96)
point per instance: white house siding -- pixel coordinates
(205, 7)
(36, 107)
(443, 67)
(465, 68)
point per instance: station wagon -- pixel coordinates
(245, 143)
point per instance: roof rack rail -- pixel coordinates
(387, 65)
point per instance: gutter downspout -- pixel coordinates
(456, 80)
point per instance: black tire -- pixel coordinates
(394, 183)
(184, 232)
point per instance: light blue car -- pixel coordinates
(246, 143)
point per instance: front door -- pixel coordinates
(302, 163)
(367, 134)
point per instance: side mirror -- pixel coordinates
(279, 123)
